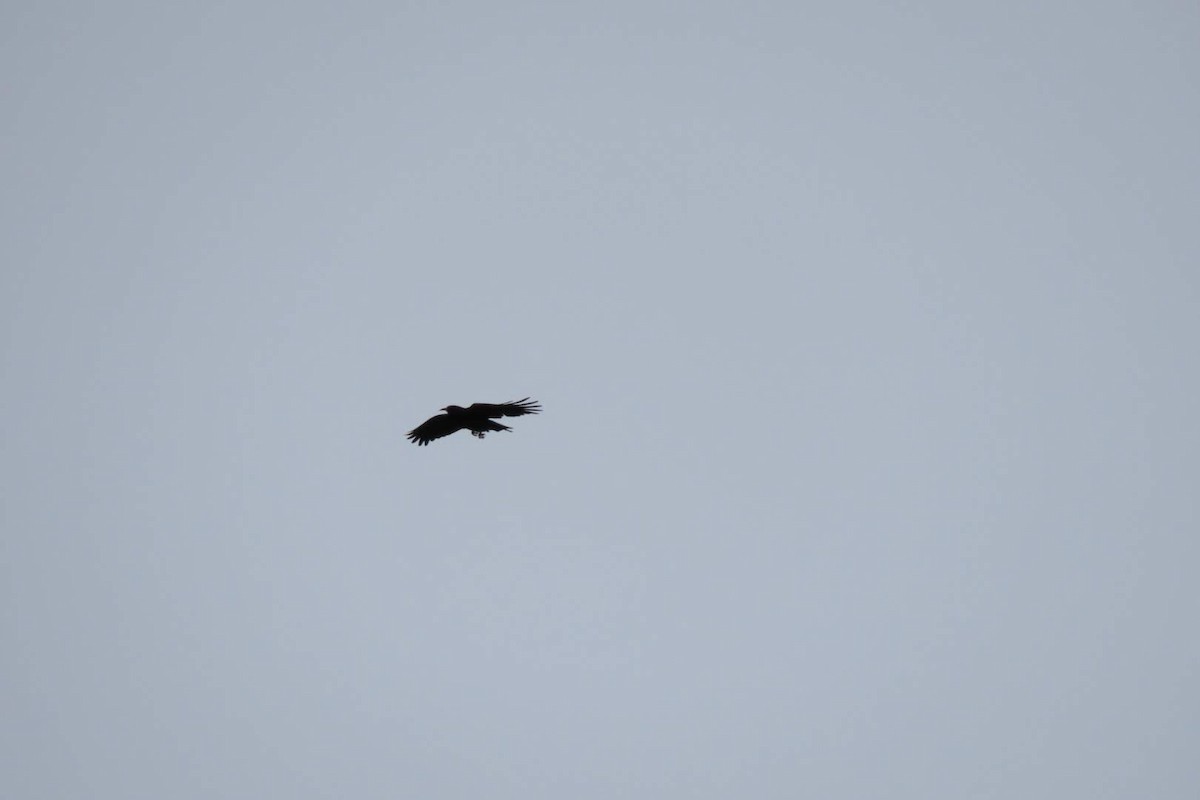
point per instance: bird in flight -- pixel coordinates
(477, 418)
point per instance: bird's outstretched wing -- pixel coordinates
(514, 408)
(434, 428)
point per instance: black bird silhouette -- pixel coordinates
(477, 418)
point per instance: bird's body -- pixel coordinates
(476, 418)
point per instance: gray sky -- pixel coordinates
(867, 339)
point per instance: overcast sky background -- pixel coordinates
(867, 339)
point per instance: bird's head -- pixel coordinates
(453, 409)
